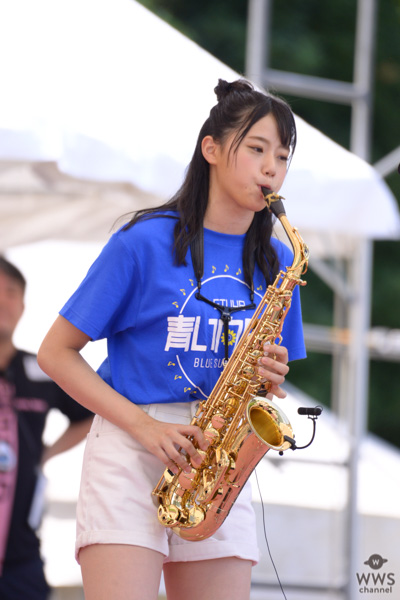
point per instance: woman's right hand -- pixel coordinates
(165, 439)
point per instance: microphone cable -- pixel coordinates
(266, 537)
(313, 414)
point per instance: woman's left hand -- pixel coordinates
(273, 367)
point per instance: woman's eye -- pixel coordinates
(257, 148)
(284, 158)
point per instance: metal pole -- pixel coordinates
(258, 27)
(389, 163)
(360, 141)
(358, 388)
(340, 362)
(363, 78)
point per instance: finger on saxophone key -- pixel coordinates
(276, 352)
(196, 460)
(196, 455)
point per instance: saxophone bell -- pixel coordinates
(269, 423)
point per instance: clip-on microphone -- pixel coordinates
(313, 414)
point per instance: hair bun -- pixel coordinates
(224, 89)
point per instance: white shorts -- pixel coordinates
(115, 504)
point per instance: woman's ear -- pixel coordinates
(209, 149)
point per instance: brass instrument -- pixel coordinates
(240, 426)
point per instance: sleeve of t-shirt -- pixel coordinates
(102, 304)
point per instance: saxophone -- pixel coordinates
(239, 425)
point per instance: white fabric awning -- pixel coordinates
(102, 102)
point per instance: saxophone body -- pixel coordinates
(239, 425)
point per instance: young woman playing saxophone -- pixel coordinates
(166, 349)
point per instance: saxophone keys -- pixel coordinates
(223, 459)
(239, 387)
(218, 421)
(248, 371)
(206, 487)
(195, 516)
(168, 476)
(231, 404)
(168, 516)
(186, 479)
(200, 409)
(211, 435)
(261, 338)
(203, 455)
(255, 355)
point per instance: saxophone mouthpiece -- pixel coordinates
(274, 202)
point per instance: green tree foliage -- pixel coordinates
(317, 38)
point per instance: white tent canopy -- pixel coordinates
(101, 104)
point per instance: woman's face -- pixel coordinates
(236, 177)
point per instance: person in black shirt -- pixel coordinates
(26, 397)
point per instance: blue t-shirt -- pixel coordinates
(163, 344)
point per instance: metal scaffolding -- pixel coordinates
(351, 284)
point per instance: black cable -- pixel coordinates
(313, 415)
(266, 538)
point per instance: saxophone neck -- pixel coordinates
(300, 250)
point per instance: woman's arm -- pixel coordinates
(59, 356)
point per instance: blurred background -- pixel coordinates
(101, 107)
(309, 42)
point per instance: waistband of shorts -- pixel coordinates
(180, 409)
(168, 412)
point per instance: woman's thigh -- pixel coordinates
(120, 572)
(218, 579)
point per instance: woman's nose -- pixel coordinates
(269, 166)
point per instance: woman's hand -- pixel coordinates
(164, 440)
(273, 367)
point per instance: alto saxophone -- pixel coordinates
(239, 425)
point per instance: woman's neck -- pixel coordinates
(232, 223)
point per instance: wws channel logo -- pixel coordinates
(372, 582)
